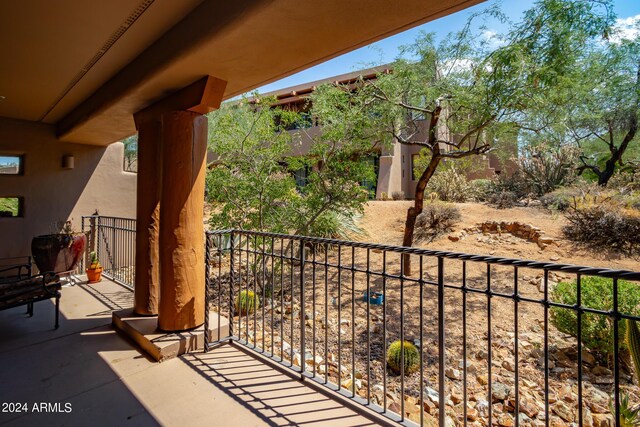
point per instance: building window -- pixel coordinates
(302, 176)
(11, 207)
(11, 165)
(414, 159)
(371, 186)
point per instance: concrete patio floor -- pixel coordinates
(96, 377)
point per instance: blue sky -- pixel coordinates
(386, 50)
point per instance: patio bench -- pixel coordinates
(20, 290)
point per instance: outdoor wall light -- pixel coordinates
(68, 161)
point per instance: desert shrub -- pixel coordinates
(503, 200)
(604, 225)
(384, 196)
(337, 225)
(398, 195)
(411, 357)
(560, 199)
(506, 190)
(546, 168)
(246, 303)
(596, 293)
(481, 189)
(626, 180)
(436, 219)
(450, 185)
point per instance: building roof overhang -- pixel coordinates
(87, 67)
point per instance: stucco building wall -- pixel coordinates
(53, 194)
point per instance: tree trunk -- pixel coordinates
(417, 207)
(607, 173)
(416, 210)
(617, 152)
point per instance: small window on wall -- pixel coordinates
(11, 207)
(11, 165)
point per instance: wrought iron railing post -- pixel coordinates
(231, 280)
(302, 312)
(97, 234)
(441, 343)
(114, 246)
(207, 262)
(84, 255)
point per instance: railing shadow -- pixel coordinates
(272, 396)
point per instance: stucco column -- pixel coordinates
(147, 277)
(182, 288)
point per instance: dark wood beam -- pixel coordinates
(202, 96)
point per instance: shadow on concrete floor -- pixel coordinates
(275, 397)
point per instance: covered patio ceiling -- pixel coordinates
(87, 67)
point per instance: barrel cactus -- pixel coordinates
(633, 342)
(411, 357)
(246, 302)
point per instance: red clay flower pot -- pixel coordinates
(94, 275)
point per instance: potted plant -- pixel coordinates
(94, 272)
(59, 251)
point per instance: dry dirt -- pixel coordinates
(384, 223)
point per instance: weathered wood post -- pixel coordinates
(172, 143)
(147, 277)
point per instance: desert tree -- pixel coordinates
(251, 184)
(603, 116)
(449, 100)
(586, 81)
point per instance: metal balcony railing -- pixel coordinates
(329, 309)
(114, 241)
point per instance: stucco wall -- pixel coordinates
(53, 194)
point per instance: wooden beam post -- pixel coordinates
(172, 154)
(147, 277)
(184, 152)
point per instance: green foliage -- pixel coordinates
(450, 185)
(629, 415)
(541, 169)
(130, 153)
(481, 189)
(246, 303)
(248, 186)
(560, 199)
(93, 260)
(546, 167)
(252, 186)
(582, 79)
(436, 219)
(596, 293)
(9, 204)
(336, 225)
(411, 357)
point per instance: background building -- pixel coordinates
(394, 165)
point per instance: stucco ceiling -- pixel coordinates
(87, 66)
